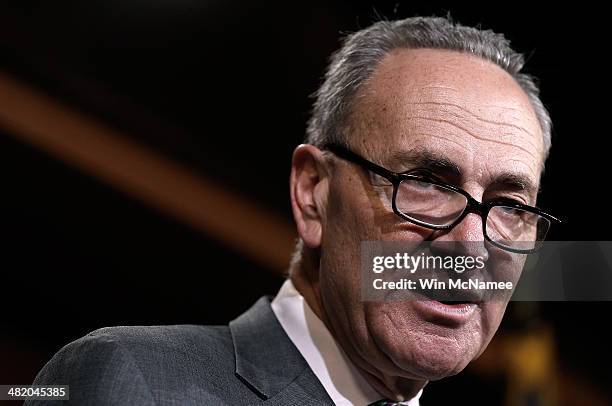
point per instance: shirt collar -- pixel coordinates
(344, 384)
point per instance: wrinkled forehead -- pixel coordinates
(451, 102)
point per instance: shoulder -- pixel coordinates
(198, 341)
(141, 343)
(134, 364)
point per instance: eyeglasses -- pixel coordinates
(507, 224)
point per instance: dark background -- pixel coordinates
(222, 88)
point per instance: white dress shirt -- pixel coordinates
(344, 384)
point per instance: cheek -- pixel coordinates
(343, 231)
(350, 213)
(506, 267)
(492, 315)
(350, 219)
(348, 222)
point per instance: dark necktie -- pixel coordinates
(384, 402)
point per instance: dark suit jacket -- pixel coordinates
(249, 362)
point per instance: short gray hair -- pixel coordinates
(361, 52)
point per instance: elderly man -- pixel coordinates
(423, 130)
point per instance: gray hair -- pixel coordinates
(361, 52)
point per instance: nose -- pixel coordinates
(465, 238)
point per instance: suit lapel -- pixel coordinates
(269, 363)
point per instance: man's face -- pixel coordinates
(463, 110)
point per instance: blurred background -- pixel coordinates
(145, 150)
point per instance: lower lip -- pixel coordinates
(456, 313)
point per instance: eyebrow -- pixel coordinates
(516, 182)
(441, 164)
(424, 159)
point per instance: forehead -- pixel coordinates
(453, 103)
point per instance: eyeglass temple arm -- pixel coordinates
(344, 153)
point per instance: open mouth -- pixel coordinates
(453, 297)
(455, 302)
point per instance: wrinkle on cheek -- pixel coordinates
(385, 195)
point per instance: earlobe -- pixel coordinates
(308, 177)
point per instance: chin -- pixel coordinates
(439, 362)
(424, 350)
(430, 357)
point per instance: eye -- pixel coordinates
(423, 184)
(507, 210)
(425, 176)
(510, 201)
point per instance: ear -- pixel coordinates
(309, 186)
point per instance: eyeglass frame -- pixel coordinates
(472, 205)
